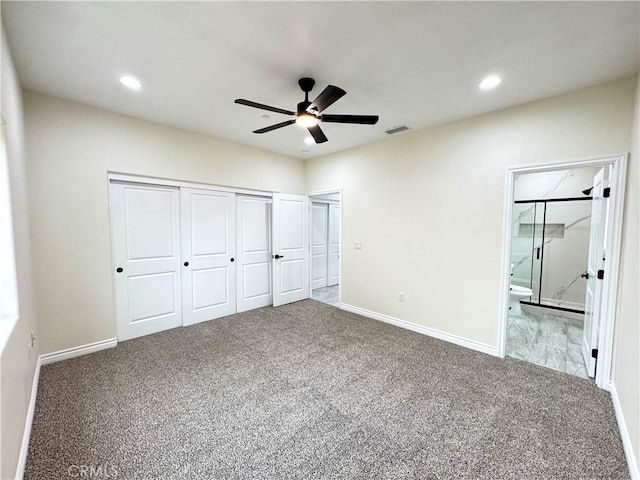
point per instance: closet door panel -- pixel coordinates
(208, 254)
(145, 238)
(291, 260)
(254, 253)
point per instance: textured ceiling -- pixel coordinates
(412, 63)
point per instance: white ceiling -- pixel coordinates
(412, 63)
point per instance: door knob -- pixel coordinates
(186, 264)
(119, 270)
(278, 256)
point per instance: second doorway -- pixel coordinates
(325, 248)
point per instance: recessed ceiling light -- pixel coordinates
(131, 82)
(491, 82)
(309, 141)
(305, 152)
(266, 117)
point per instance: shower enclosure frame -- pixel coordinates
(544, 227)
(618, 164)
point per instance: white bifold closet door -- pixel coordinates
(186, 255)
(145, 222)
(333, 274)
(319, 244)
(208, 221)
(290, 248)
(254, 262)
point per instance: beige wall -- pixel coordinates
(18, 360)
(428, 206)
(71, 147)
(626, 369)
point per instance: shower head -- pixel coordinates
(587, 191)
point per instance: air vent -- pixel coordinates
(399, 128)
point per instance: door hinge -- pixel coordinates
(594, 353)
(600, 274)
(607, 192)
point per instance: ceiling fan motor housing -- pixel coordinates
(306, 84)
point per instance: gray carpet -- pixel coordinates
(309, 391)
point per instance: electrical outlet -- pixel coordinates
(358, 245)
(401, 297)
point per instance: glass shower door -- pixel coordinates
(538, 245)
(566, 248)
(521, 244)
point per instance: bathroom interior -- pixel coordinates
(549, 255)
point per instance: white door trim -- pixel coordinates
(332, 191)
(614, 237)
(166, 182)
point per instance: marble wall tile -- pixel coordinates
(564, 258)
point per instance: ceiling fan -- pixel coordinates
(309, 114)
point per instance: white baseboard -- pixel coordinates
(447, 337)
(77, 351)
(44, 360)
(26, 435)
(632, 461)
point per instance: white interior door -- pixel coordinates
(208, 254)
(290, 248)
(319, 245)
(254, 260)
(145, 228)
(333, 276)
(595, 263)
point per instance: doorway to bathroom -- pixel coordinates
(326, 220)
(559, 300)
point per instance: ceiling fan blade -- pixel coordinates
(326, 98)
(361, 119)
(317, 134)
(249, 103)
(274, 127)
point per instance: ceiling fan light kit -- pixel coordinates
(306, 119)
(309, 114)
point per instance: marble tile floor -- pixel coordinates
(547, 339)
(328, 295)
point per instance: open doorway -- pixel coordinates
(551, 235)
(562, 222)
(326, 220)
